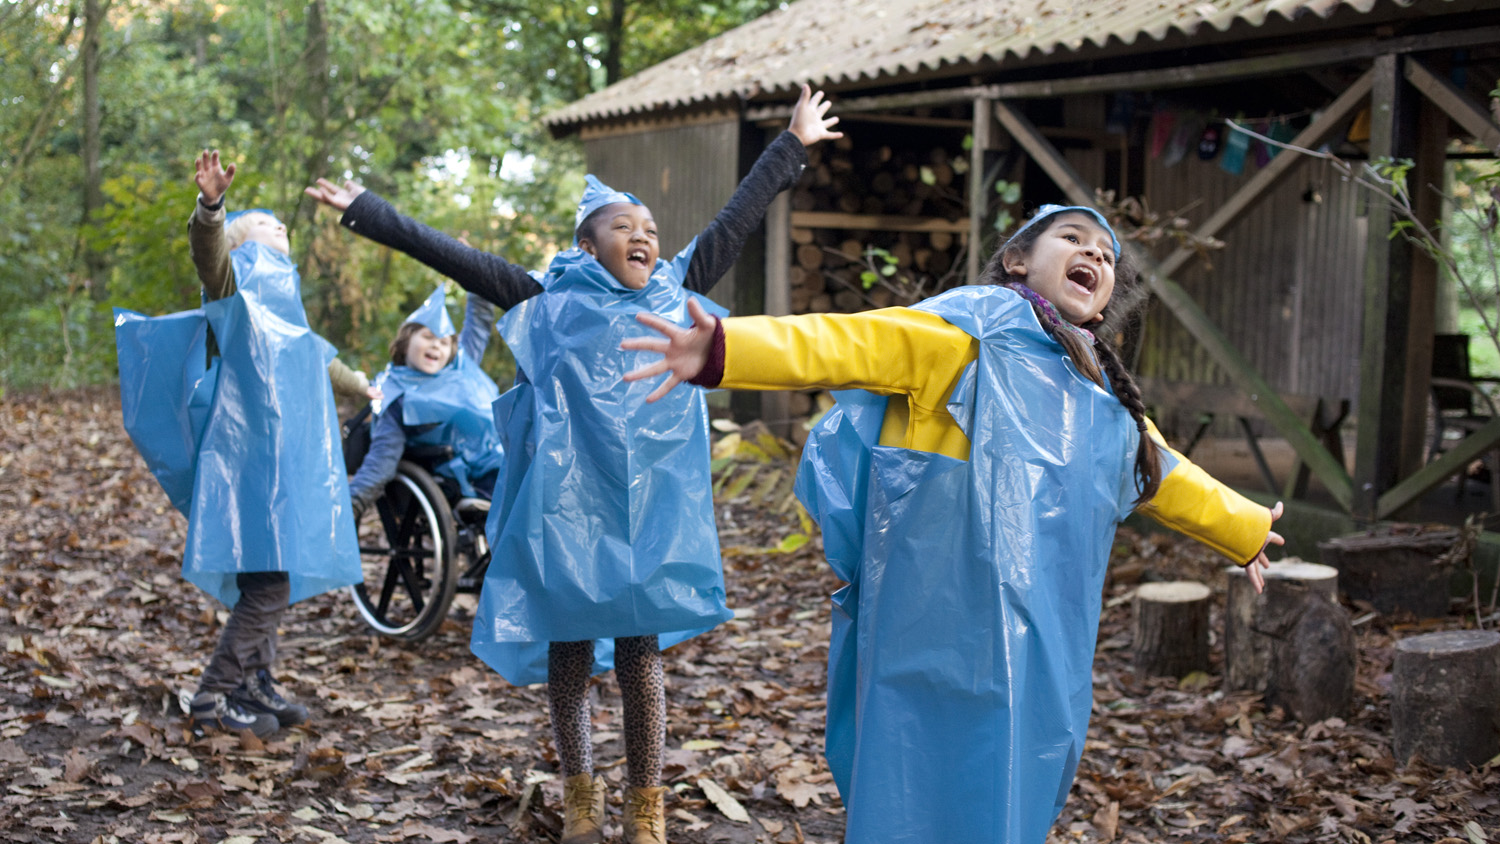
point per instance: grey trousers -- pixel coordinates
(248, 641)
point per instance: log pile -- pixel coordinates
(855, 185)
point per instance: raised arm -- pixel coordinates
(366, 213)
(479, 325)
(777, 169)
(206, 242)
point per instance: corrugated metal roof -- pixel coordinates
(838, 43)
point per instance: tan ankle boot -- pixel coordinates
(645, 816)
(583, 810)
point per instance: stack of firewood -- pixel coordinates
(828, 263)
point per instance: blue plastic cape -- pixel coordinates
(603, 521)
(596, 195)
(433, 313)
(260, 474)
(961, 656)
(457, 402)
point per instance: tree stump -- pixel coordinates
(1293, 642)
(1171, 628)
(1395, 572)
(1445, 697)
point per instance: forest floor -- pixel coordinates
(423, 743)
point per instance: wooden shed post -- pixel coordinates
(774, 406)
(1381, 447)
(979, 197)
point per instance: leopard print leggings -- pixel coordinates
(642, 690)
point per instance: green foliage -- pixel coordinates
(436, 104)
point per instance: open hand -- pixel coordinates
(1255, 567)
(808, 122)
(684, 350)
(329, 193)
(213, 180)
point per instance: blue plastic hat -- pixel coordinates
(1048, 211)
(434, 314)
(596, 195)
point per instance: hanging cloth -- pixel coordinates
(603, 521)
(962, 648)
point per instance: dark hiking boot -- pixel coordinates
(258, 694)
(214, 709)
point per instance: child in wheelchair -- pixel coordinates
(435, 399)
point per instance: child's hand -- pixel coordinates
(685, 350)
(376, 395)
(212, 179)
(1253, 568)
(328, 193)
(808, 122)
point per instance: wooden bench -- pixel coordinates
(1208, 402)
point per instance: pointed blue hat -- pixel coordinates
(434, 314)
(596, 195)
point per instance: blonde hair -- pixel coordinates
(236, 231)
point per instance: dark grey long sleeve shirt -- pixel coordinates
(506, 284)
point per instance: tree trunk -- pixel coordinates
(613, 38)
(1171, 628)
(1445, 698)
(1294, 642)
(93, 190)
(1394, 572)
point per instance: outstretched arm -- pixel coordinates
(206, 242)
(366, 213)
(777, 169)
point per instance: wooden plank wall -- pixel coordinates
(1286, 288)
(684, 174)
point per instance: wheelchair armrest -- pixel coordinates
(428, 453)
(1479, 401)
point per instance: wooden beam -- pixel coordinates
(1279, 167)
(1159, 78)
(1385, 332)
(876, 222)
(1328, 469)
(1045, 155)
(979, 192)
(1309, 448)
(1464, 111)
(779, 255)
(1453, 461)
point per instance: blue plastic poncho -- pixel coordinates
(248, 448)
(453, 406)
(603, 522)
(960, 663)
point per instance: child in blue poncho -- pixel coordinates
(434, 393)
(604, 547)
(232, 409)
(969, 483)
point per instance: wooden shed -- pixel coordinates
(1310, 322)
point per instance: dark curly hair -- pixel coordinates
(1104, 360)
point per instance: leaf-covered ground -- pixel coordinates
(423, 743)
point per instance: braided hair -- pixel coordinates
(1093, 354)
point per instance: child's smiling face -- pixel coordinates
(1071, 265)
(426, 352)
(623, 238)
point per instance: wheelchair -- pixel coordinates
(419, 545)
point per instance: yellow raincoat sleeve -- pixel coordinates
(1192, 503)
(898, 352)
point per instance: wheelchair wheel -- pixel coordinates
(408, 550)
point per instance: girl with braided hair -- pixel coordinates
(968, 482)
